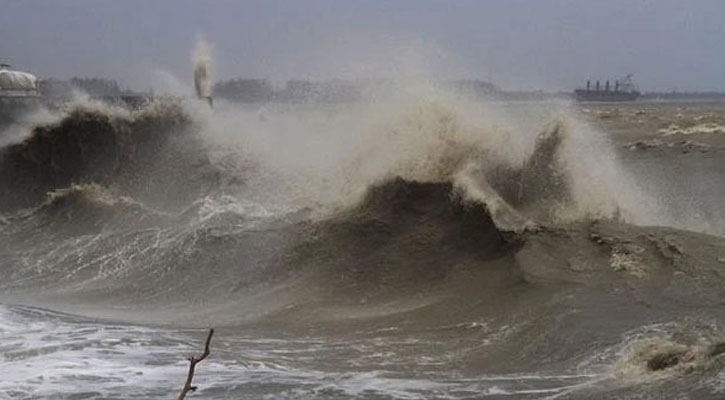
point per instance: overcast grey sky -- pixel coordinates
(523, 44)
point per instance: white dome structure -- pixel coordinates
(17, 83)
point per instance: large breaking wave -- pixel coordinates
(514, 235)
(99, 184)
(176, 201)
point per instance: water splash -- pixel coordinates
(202, 59)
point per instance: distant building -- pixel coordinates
(301, 90)
(244, 90)
(55, 88)
(474, 88)
(97, 87)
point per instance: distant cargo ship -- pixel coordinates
(623, 90)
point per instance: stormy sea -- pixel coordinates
(415, 246)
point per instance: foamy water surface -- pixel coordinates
(50, 355)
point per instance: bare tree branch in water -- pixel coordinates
(192, 364)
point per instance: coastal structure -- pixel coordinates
(17, 83)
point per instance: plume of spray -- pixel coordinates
(201, 57)
(311, 155)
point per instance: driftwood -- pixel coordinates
(192, 364)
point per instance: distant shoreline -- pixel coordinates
(140, 100)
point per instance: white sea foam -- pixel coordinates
(45, 354)
(703, 128)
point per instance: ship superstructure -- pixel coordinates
(621, 90)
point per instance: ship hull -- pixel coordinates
(584, 95)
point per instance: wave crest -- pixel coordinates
(89, 144)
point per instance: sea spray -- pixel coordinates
(201, 57)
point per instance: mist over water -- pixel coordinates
(418, 244)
